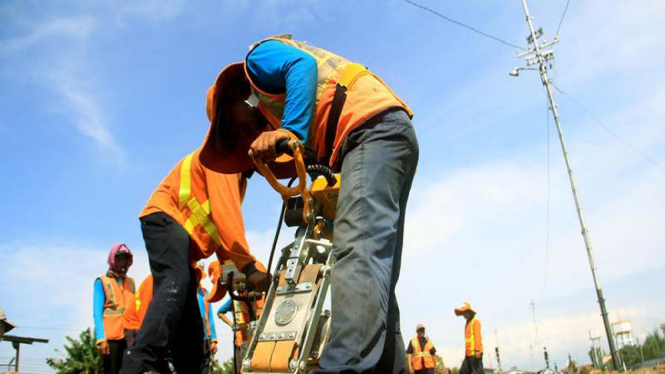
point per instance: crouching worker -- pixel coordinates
(192, 214)
(114, 309)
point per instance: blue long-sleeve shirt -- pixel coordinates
(278, 68)
(206, 319)
(98, 300)
(226, 307)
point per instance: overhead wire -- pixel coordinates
(608, 129)
(461, 24)
(547, 229)
(565, 10)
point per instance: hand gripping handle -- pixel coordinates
(295, 148)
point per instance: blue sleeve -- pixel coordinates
(277, 68)
(226, 307)
(99, 298)
(213, 331)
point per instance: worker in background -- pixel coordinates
(243, 313)
(209, 332)
(144, 297)
(473, 341)
(421, 354)
(5, 325)
(114, 309)
(349, 119)
(193, 214)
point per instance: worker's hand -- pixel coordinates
(479, 355)
(103, 348)
(213, 348)
(263, 147)
(258, 280)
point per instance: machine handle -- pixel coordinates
(295, 148)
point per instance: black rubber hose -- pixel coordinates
(323, 170)
(274, 242)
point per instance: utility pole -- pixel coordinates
(540, 55)
(498, 356)
(535, 325)
(547, 358)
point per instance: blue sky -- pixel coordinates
(98, 100)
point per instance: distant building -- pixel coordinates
(623, 333)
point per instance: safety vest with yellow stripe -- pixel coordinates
(335, 115)
(196, 214)
(472, 338)
(119, 307)
(421, 356)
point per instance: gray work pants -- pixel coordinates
(379, 162)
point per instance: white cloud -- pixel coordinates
(151, 9)
(77, 28)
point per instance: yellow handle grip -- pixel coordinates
(283, 190)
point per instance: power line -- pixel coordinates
(547, 230)
(609, 130)
(562, 17)
(463, 24)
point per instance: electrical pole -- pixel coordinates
(535, 325)
(540, 55)
(498, 356)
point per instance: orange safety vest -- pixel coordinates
(365, 95)
(421, 356)
(241, 316)
(472, 338)
(119, 307)
(144, 297)
(205, 203)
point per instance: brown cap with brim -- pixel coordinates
(465, 307)
(238, 160)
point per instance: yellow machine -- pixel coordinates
(294, 327)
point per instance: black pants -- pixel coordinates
(472, 365)
(113, 361)
(172, 328)
(424, 371)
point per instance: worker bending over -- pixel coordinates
(473, 341)
(192, 214)
(349, 119)
(114, 309)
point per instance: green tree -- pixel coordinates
(654, 346)
(630, 355)
(440, 364)
(224, 368)
(81, 356)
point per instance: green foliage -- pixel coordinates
(654, 346)
(454, 371)
(224, 368)
(440, 364)
(81, 356)
(597, 358)
(572, 366)
(630, 355)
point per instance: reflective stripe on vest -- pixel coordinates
(331, 69)
(241, 313)
(421, 356)
(200, 213)
(471, 338)
(116, 304)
